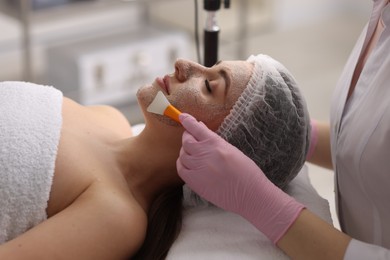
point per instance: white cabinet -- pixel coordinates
(74, 21)
(110, 70)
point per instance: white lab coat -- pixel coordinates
(360, 143)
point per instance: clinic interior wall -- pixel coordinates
(263, 20)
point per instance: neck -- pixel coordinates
(148, 163)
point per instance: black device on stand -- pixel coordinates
(211, 31)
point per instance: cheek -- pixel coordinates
(192, 102)
(217, 119)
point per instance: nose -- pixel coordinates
(185, 69)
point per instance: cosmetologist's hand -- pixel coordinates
(223, 175)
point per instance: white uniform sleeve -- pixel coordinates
(357, 250)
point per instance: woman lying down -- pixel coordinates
(76, 184)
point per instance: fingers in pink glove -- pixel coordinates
(182, 165)
(197, 129)
(223, 175)
(196, 138)
(187, 161)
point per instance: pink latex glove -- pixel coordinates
(223, 175)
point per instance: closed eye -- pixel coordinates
(207, 83)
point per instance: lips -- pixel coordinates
(164, 83)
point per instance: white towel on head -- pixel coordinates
(30, 125)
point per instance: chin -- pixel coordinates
(145, 96)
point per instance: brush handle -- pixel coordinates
(172, 113)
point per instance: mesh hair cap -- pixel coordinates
(269, 122)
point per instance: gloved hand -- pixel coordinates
(223, 175)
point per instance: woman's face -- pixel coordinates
(208, 94)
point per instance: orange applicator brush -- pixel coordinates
(160, 105)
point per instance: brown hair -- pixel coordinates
(164, 224)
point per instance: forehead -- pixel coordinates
(240, 72)
(238, 69)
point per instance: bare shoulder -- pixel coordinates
(100, 224)
(111, 115)
(104, 115)
(108, 111)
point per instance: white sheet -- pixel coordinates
(211, 233)
(214, 234)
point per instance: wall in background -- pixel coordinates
(58, 26)
(289, 14)
(262, 18)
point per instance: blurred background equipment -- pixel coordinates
(109, 70)
(41, 4)
(211, 30)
